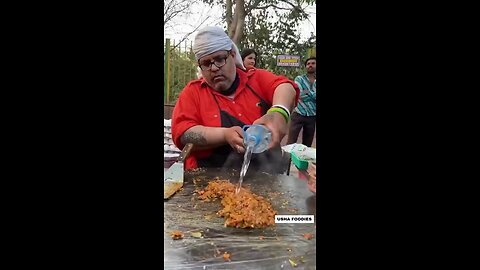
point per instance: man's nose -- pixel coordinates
(214, 68)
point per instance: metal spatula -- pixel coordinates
(173, 179)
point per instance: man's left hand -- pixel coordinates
(276, 123)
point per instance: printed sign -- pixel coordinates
(288, 60)
(294, 219)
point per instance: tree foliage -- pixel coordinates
(270, 27)
(183, 70)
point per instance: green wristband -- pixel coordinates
(282, 112)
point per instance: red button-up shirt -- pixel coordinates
(196, 105)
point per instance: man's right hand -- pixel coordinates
(234, 137)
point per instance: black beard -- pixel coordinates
(233, 88)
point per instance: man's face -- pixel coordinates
(219, 78)
(311, 66)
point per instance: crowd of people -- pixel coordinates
(232, 92)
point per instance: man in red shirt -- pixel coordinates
(210, 112)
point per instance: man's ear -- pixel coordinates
(233, 53)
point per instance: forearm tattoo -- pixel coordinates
(193, 137)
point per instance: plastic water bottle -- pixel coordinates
(256, 136)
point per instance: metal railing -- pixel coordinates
(180, 67)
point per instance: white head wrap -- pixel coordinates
(213, 39)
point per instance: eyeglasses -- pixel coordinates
(218, 61)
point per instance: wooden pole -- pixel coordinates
(167, 78)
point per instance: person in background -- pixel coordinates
(211, 112)
(304, 115)
(249, 58)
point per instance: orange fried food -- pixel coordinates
(242, 210)
(308, 236)
(177, 235)
(226, 256)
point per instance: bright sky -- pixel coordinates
(183, 25)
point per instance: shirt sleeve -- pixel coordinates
(298, 81)
(269, 82)
(305, 94)
(185, 114)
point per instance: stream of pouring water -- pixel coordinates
(246, 163)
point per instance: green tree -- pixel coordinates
(239, 12)
(270, 27)
(183, 70)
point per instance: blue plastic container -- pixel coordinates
(257, 135)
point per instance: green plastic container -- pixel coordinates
(301, 164)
